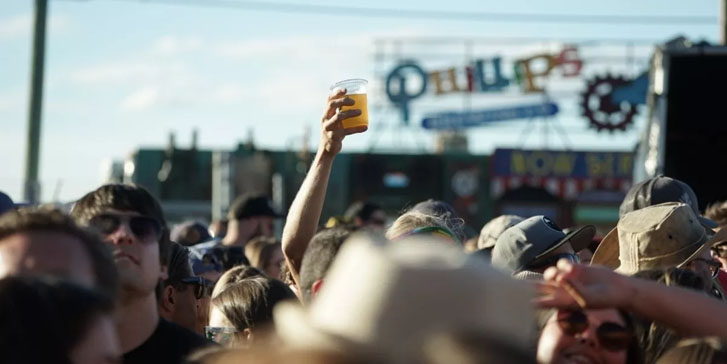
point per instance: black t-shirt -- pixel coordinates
(169, 343)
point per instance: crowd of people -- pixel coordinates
(111, 281)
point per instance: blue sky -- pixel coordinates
(121, 75)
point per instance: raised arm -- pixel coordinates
(305, 211)
(687, 311)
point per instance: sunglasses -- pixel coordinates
(720, 251)
(143, 227)
(553, 260)
(711, 264)
(220, 335)
(199, 285)
(611, 336)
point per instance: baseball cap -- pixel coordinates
(658, 190)
(247, 205)
(533, 238)
(6, 203)
(493, 229)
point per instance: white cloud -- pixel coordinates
(16, 26)
(21, 25)
(141, 99)
(172, 45)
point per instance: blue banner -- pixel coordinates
(460, 120)
(559, 164)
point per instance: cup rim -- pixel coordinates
(350, 80)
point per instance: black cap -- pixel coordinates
(658, 190)
(6, 203)
(534, 238)
(246, 206)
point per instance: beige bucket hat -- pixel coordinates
(385, 300)
(656, 237)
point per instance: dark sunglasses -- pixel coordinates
(611, 336)
(552, 261)
(198, 284)
(142, 227)
(713, 266)
(720, 251)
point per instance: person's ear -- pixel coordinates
(316, 287)
(167, 300)
(163, 276)
(247, 334)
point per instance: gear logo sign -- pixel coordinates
(602, 111)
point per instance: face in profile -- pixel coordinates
(46, 253)
(589, 336)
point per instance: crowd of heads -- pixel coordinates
(113, 281)
(369, 287)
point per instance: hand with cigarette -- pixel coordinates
(690, 312)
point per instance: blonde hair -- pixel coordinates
(260, 250)
(414, 219)
(235, 275)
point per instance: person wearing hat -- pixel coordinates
(250, 216)
(494, 228)
(663, 236)
(384, 302)
(658, 190)
(531, 246)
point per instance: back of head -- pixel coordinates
(412, 220)
(494, 228)
(250, 205)
(31, 219)
(717, 212)
(321, 252)
(235, 275)
(260, 250)
(659, 190)
(178, 267)
(123, 197)
(190, 233)
(361, 210)
(249, 302)
(43, 319)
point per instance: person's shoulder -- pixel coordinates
(184, 337)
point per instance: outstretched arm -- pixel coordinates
(687, 311)
(305, 211)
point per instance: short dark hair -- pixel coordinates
(124, 197)
(178, 267)
(318, 257)
(362, 210)
(249, 302)
(45, 219)
(44, 318)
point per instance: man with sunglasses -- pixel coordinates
(131, 221)
(180, 294)
(531, 246)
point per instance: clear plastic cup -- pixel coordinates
(355, 89)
